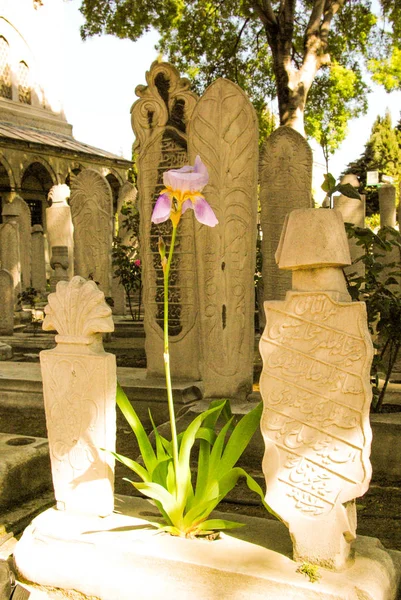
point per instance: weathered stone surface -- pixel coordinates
(60, 231)
(6, 303)
(224, 132)
(24, 468)
(6, 351)
(38, 269)
(10, 253)
(388, 215)
(92, 216)
(59, 264)
(285, 184)
(79, 387)
(105, 556)
(315, 385)
(159, 120)
(353, 211)
(24, 223)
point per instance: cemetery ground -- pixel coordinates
(379, 510)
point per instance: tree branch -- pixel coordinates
(265, 12)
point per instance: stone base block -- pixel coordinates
(24, 468)
(120, 557)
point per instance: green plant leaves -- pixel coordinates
(185, 511)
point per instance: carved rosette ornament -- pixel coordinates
(224, 132)
(79, 387)
(315, 386)
(159, 120)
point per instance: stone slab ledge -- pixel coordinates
(120, 557)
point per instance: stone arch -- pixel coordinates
(115, 186)
(36, 181)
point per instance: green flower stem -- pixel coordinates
(167, 355)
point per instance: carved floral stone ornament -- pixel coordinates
(315, 386)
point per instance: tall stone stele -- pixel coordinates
(315, 386)
(10, 257)
(79, 388)
(159, 120)
(285, 184)
(224, 131)
(6, 303)
(60, 230)
(92, 216)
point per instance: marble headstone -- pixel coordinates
(160, 119)
(224, 132)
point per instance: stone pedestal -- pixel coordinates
(315, 386)
(79, 388)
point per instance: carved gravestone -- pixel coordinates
(59, 264)
(159, 120)
(10, 245)
(92, 216)
(38, 267)
(79, 388)
(6, 303)
(60, 231)
(387, 202)
(316, 391)
(224, 133)
(353, 211)
(285, 184)
(24, 223)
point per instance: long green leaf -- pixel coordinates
(240, 438)
(144, 444)
(218, 447)
(184, 469)
(219, 524)
(133, 465)
(160, 449)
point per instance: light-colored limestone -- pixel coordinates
(161, 145)
(315, 385)
(60, 230)
(388, 215)
(10, 246)
(59, 264)
(38, 267)
(224, 131)
(92, 216)
(24, 223)
(79, 387)
(353, 211)
(6, 303)
(118, 558)
(285, 184)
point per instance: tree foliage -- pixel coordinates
(382, 153)
(269, 47)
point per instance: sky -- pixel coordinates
(99, 79)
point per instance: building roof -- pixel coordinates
(64, 143)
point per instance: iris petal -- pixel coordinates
(187, 204)
(162, 209)
(203, 212)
